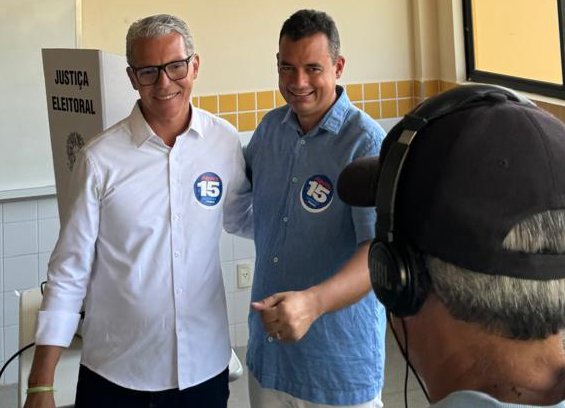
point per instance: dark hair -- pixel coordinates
(305, 23)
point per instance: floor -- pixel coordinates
(393, 393)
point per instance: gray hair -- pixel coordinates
(522, 309)
(157, 26)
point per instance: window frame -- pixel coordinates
(523, 84)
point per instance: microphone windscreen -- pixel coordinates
(357, 182)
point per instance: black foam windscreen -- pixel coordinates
(359, 183)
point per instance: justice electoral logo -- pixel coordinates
(317, 193)
(208, 189)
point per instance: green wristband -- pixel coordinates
(41, 388)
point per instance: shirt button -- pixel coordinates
(176, 218)
(275, 259)
(285, 219)
(177, 254)
(270, 339)
(302, 142)
(295, 180)
(179, 291)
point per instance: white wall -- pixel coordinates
(27, 26)
(238, 40)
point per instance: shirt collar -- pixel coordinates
(141, 131)
(332, 120)
(195, 124)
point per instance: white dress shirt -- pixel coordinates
(141, 248)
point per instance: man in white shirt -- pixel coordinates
(140, 244)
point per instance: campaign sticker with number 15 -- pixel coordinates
(208, 189)
(317, 193)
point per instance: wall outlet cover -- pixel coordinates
(244, 275)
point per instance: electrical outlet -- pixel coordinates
(244, 275)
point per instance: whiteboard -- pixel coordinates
(27, 26)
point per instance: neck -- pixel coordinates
(461, 356)
(308, 123)
(168, 129)
(521, 372)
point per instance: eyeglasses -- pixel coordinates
(175, 70)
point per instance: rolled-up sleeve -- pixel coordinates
(70, 264)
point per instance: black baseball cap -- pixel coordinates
(472, 172)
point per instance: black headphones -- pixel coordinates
(399, 276)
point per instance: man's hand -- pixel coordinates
(42, 373)
(287, 316)
(40, 400)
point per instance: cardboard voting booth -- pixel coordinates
(87, 92)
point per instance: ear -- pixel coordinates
(132, 78)
(339, 65)
(195, 65)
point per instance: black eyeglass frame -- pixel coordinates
(162, 67)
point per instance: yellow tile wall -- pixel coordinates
(388, 99)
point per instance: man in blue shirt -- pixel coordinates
(316, 337)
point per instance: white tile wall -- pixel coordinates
(10, 347)
(47, 234)
(2, 380)
(47, 208)
(230, 277)
(20, 211)
(241, 333)
(20, 272)
(1, 232)
(42, 266)
(2, 344)
(10, 341)
(241, 250)
(28, 233)
(11, 309)
(242, 299)
(20, 238)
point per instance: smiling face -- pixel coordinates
(307, 77)
(165, 104)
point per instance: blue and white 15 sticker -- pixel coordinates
(208, 189)
(317, 193)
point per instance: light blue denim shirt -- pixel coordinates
(303, 235)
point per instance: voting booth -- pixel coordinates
(87, 92)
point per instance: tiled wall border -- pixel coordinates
(381, 100)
